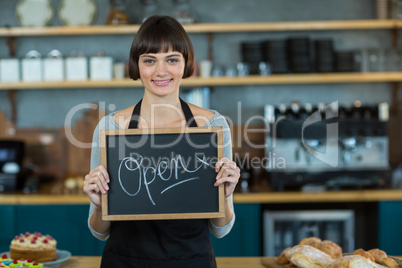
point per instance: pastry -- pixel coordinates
(330, 248)
(311, 241)
(382, 258)
(354, 261)
(306, 256)
(364, 253)
(33, 246)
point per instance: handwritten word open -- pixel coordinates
(134, 165)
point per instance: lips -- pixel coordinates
(162, 82)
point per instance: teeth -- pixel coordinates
(162, 82)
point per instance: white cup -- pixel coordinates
(205, 68)
(119, 70)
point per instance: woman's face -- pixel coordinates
(161, 73)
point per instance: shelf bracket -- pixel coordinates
(12, 97)
(12, 45)
(211, 47)
(394, 85)
(11, 42)
(395, 36)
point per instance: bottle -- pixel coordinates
(383, 112)
(269, 113)
(117, 14)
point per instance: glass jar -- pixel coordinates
(117, 14)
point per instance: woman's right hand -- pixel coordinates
(96, 183)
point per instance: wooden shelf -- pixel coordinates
(207, 27)
(223, 81)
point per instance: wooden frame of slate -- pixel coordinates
(162, 173)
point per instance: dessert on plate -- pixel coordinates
(35, 246)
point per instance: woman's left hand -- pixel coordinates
(228, 173)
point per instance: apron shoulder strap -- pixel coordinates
(135, 116)
(188, 114)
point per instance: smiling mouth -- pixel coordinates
(162, 82)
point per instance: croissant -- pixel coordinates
(310, 241)
(354, 261)
(382, 258)
(330, 248)
(364, 253)
(305, 256)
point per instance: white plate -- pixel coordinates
(77, 12)
(61, 255)
(34, 12)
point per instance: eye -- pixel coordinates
(148, 61)
(173, 60)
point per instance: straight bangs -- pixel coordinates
(161, 40)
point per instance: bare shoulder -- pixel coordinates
(201, 115)
(122, 118)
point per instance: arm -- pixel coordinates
(94, 186)
(99, 228)
(228, 175)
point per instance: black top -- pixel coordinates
(159, 243)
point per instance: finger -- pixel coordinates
(228, 175)
(228, 180)
(94, 188)
(100, 186)
(220, 173)
(102, 179)
(221, 162)
(96, 177)
(104, 172)
(101, 182)
(227, 166)
(91, 188)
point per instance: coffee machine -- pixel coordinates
(327, 146)
(11, 157)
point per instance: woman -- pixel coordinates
(161, 56)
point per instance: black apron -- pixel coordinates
(159, 243)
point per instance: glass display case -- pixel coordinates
(284, 229)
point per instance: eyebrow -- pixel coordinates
(169, 56)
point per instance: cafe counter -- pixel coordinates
(223, 262)
(65, 217)
(262, 197)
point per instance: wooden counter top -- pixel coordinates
(335, 196)
(43, 199)
(223, 262)
(266, 197)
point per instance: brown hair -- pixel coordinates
(159, 34)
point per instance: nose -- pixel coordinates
(161, 69)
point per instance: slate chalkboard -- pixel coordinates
(162, 173)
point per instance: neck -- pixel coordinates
(161, 111)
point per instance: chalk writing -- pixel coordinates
(136, 165)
